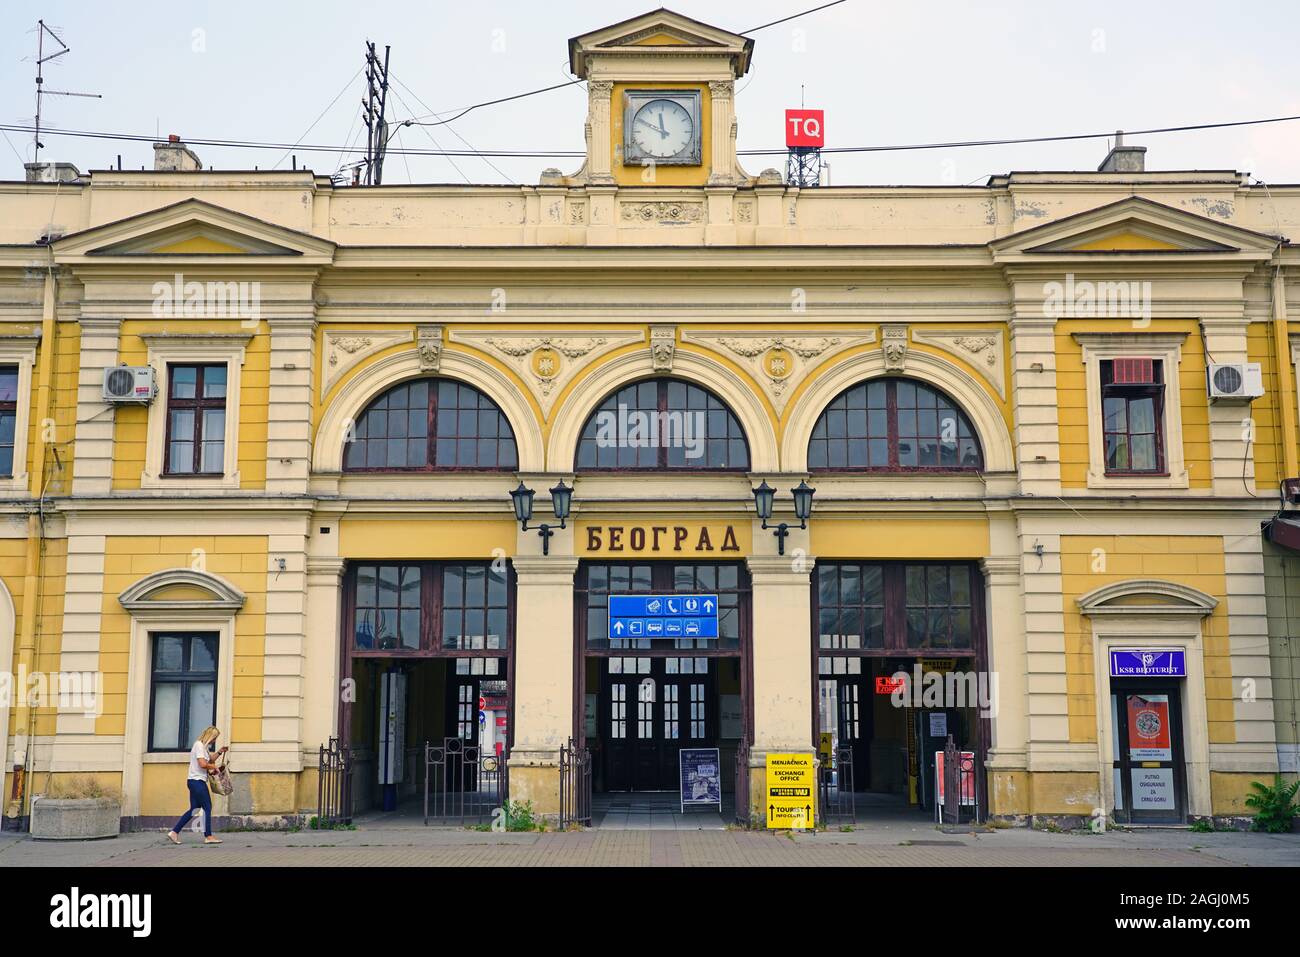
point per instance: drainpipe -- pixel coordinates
(28, 647)
(1285, 383)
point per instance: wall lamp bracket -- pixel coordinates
(521, 499)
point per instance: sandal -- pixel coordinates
(173, 837)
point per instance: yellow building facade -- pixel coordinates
(998, 392)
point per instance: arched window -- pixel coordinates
(894, 425)
(662, 424)
(431, 425)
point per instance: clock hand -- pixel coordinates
(662, 132)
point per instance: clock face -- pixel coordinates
(662, 129)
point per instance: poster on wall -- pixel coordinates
(1148, 728)
(700, 772)
(1153, 789)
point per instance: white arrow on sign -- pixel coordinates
(708, 605)
(618, 628)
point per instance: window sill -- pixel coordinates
(182, 482)
(1138, 480)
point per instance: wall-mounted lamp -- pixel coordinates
(561, 499)
(765, 495)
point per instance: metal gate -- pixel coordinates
(575, 785)
(960, 795)
(463, 784)
(836, 786)
(334, 784)
(741, 784)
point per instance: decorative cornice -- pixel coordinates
(345, 348)
(1189, 601)
(547, 362)
(778, 362)
(225, 596)
(982, 348)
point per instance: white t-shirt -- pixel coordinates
(200, 750)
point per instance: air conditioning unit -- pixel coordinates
(129, 384)
(1241, 381)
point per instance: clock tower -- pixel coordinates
(661, 102)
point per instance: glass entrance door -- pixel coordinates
(651, 708)
(1147, 741)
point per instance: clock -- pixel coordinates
(662, 127)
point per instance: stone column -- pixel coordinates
(782, 688)
(1033, 393)
(722, 158)
(544, 674)
(1008, 780)
(599, 106)
(320, 686)
(92, 466)
(288, 427)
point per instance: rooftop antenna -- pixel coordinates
(375, 101)
(42, 30)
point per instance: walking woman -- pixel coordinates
(201, 765)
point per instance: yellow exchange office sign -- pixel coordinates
(791, 796)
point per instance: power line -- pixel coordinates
(543, 154)
(793, 16)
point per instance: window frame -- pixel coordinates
(431, 438)
(432, 585)
(198, 405)
(894, 610)
(165, 350)
(1129, 393)
(662, 384)
(1165, 347)
(891, 433)
(19, 351)
(154, 636)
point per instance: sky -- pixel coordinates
(885, 73)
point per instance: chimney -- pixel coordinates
(174, 156)
(51, 172)
(1124, 159)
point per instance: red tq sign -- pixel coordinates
(805, 128)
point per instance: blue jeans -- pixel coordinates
(199, 799)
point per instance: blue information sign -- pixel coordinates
(1148, 663)
(663, 616)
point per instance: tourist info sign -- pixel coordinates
(663, 616)
(791, 791)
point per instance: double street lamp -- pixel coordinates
(561, 500)
(765, 495)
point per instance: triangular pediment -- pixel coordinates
(191, 229)
(659, 32)
(1131, 227)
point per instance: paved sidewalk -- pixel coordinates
(890, 844)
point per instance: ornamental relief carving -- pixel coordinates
(664, 213)
(981, 348)
(345, 348)
(546, 362)
(778, 362)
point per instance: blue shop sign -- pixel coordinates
(663, 616)
(1148, 663)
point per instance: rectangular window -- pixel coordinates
(893, 607)
(196, 420)
(8, 418)
(1132, 397)
(474, 608)
(387, 607)
(182, 689)
(431, 607)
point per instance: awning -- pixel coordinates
(1284, 532)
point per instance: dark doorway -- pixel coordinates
(1147, 741)
(641, 700)
(651, 708)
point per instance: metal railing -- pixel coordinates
(463, 784)
(334, 784)
(837, 789)
(960, 797)
(741, 784)
(575, 785)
